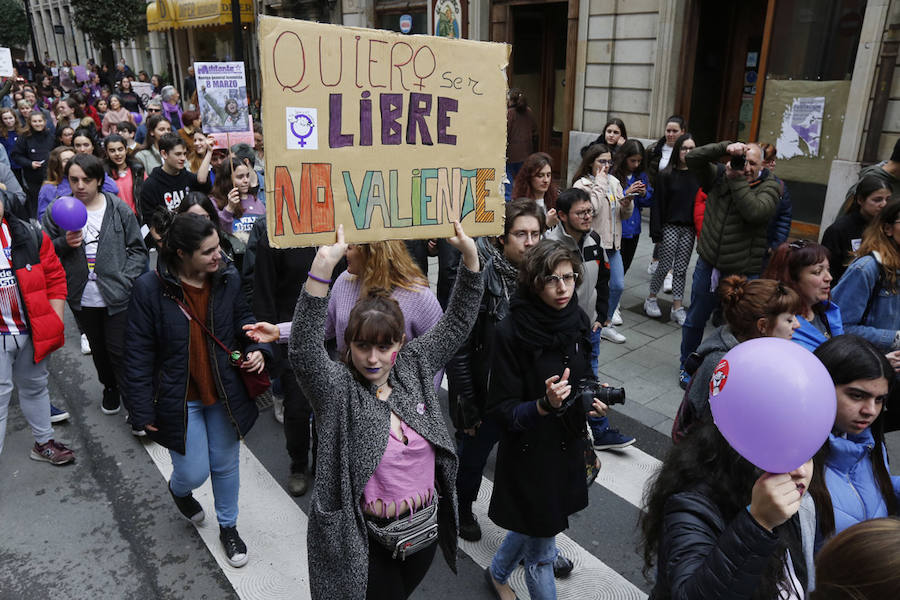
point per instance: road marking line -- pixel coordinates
(626, 472)
(270, 523)
(591, 578)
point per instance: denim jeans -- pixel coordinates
(212, 449)
(539, 554)
(616, 282)
(703, 303)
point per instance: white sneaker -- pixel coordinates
(617, 317)
(651, 308)
(610, 334)
(278, 407)
(651, 268)
(85, 345)
(667, 283)
(678, 315)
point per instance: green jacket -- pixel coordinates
(733, 238)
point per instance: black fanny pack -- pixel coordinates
(407, 535)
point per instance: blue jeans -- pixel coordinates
(616, 282)
(539, 554)
(703, 303)
(598, 424)
(212, 449)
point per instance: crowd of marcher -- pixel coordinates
(173, 256)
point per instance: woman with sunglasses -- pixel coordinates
(752, 309)
(804, 267)
(672, 226)
(611, 207)
(542, 351)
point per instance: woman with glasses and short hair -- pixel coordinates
(541, 351)
(672, 227)
(804, 267)
(611, 207)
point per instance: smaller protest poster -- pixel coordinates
(81, 73)
(144, 90)
(222, 98)
(801, 128)
(6, 64)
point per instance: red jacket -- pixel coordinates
(699, 209)
(41, 278)
(90, 111)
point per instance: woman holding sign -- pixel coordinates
(386, 465)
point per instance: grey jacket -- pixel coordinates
(353, 427)
(121, 256)
(712, 350)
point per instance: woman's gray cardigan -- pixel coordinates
(353, 428)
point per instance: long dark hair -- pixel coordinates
(675, 160)
(223, 185)
(186, 232)
(530, 168)
(111, 168)
(866, 187)
(658, 146)
(618, 123)
(706, 463)
(850, 358)
(628, 149)
(586, 167)
(152, 122)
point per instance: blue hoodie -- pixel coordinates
(631, 227)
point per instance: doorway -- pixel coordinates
(538, 34)
(719, 76)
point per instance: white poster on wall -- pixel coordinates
(801, 128)
(6, 63)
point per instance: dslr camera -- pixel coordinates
(588, 389)
(738, 162)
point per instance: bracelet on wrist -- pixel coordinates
(319, 279)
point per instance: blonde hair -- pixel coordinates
(388, 265)
(874, 239)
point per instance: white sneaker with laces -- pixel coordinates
(678, 315)
(85, 345)
(651, 308)
(610, 334)
(617, 317)
(667, 283)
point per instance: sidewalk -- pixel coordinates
(646, 365)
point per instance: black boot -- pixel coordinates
(469, 529)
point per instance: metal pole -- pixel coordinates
(236, 30)
(34, 50)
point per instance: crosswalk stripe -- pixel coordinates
(591, 579)
(274, 528)
(271, 524)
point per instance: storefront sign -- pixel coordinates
(223, 105)
(390, 135)
(405, 23)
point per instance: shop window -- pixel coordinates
(388, 13)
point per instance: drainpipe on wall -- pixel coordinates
(887, 64)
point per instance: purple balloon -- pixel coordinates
(137, 118)
(774, 402)
(69, 213)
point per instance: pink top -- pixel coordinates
(406, 472)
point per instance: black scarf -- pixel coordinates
(541, 326)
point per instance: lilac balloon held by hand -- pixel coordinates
(69, 213)
(774, 402)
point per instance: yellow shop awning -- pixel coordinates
(181, 14)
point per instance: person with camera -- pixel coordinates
(186, 391)
(742, 198)
(541, 351)
(575, 233)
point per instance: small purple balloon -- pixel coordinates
(137, 118)
(69, 213)
(774, 402)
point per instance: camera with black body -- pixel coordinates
(738, 162)
(588, 389)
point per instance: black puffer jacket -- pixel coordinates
(704, 557)
(157, 353)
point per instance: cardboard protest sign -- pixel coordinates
(393, 136)
(223, 105)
